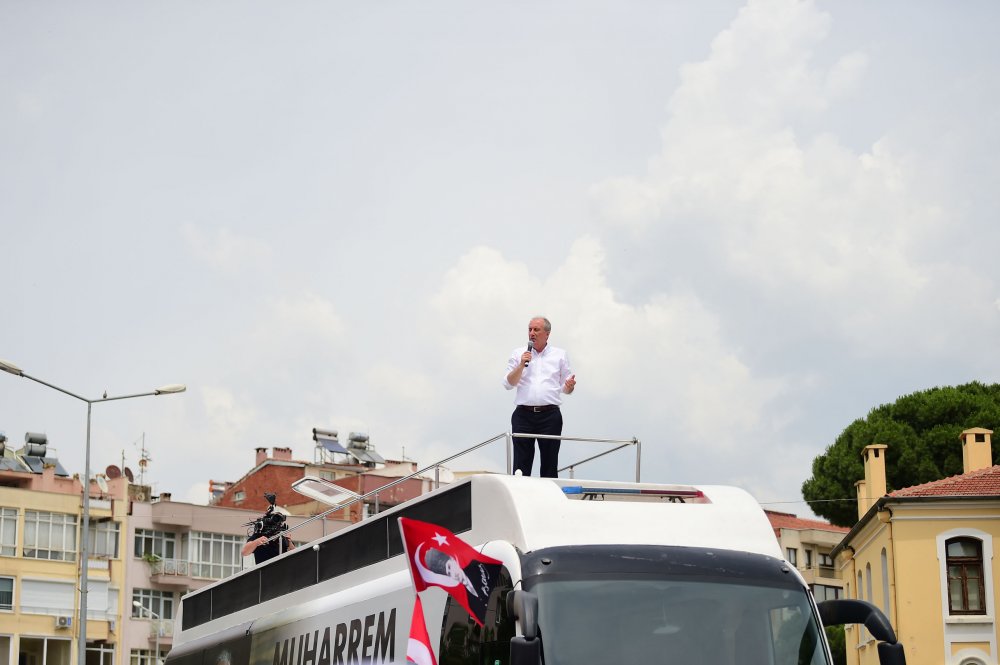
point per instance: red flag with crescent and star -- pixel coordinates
(439, 558)
(418, 649)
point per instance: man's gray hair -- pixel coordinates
(548, 324)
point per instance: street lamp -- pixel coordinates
(11, 368)
(156, 658)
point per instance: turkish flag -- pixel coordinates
(418, 649)
(440, 558)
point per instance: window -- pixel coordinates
(966, 590)
(860, 595)
(825, 560)
(154, 544)
(7, 593)
(792, 555)
(214, 555)
(103, 539)
(37, 650)
(823, 592)
(144, 657)
(885, 584)
(49, 536)
(239, 496)
(160, 603)
(100, 653)
(8, 531)
(47, 597)
(809, 559)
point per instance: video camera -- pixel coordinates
(269, 524)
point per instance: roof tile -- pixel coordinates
(790, 521)
(984, 482)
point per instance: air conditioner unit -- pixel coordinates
(64, 622)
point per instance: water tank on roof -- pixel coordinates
(324, 434)
(35, 444)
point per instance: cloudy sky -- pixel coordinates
(748, 223)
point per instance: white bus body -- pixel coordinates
(596, 572)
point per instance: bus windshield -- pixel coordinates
(640, 620)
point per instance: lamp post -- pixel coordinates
(154, 615)
(11, 368)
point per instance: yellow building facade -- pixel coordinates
(40, 519)
(924, 556)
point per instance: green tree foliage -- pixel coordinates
(921, 431)
(838, 644)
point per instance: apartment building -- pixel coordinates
(145, 553)
(356, 466)
(40, 522)
(177, 547)
(808, 545)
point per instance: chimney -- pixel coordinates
(977, 452)
(164, 496)
(874, 487)
(283, 454)
(261, 456)
(859, 488)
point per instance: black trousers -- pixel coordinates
(543, 422)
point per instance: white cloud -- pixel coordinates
(303, 316)
(840, 235)
(227, 416)
(667, 357)
(225, 250)
(402, 386)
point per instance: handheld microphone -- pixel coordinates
(529, 351)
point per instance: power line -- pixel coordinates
(771, 503)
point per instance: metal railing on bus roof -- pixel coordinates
(505, 436)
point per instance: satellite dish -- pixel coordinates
(113, 472)
(128, 474)
(102, 483)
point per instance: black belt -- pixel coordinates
(538, 409)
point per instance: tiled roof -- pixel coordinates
(984, 482)
(790, 521)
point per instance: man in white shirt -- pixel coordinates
(542, 375)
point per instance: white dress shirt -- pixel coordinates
(543, 379)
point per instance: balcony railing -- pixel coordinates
(164, 627)
(178, 567)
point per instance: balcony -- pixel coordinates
(162, 630)
(171, 572)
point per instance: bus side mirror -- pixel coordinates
(848, 610)
(523, 606)
(524, 651)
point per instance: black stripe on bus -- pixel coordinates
(377, 539)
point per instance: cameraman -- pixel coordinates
(263, 549)
(270, 524)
